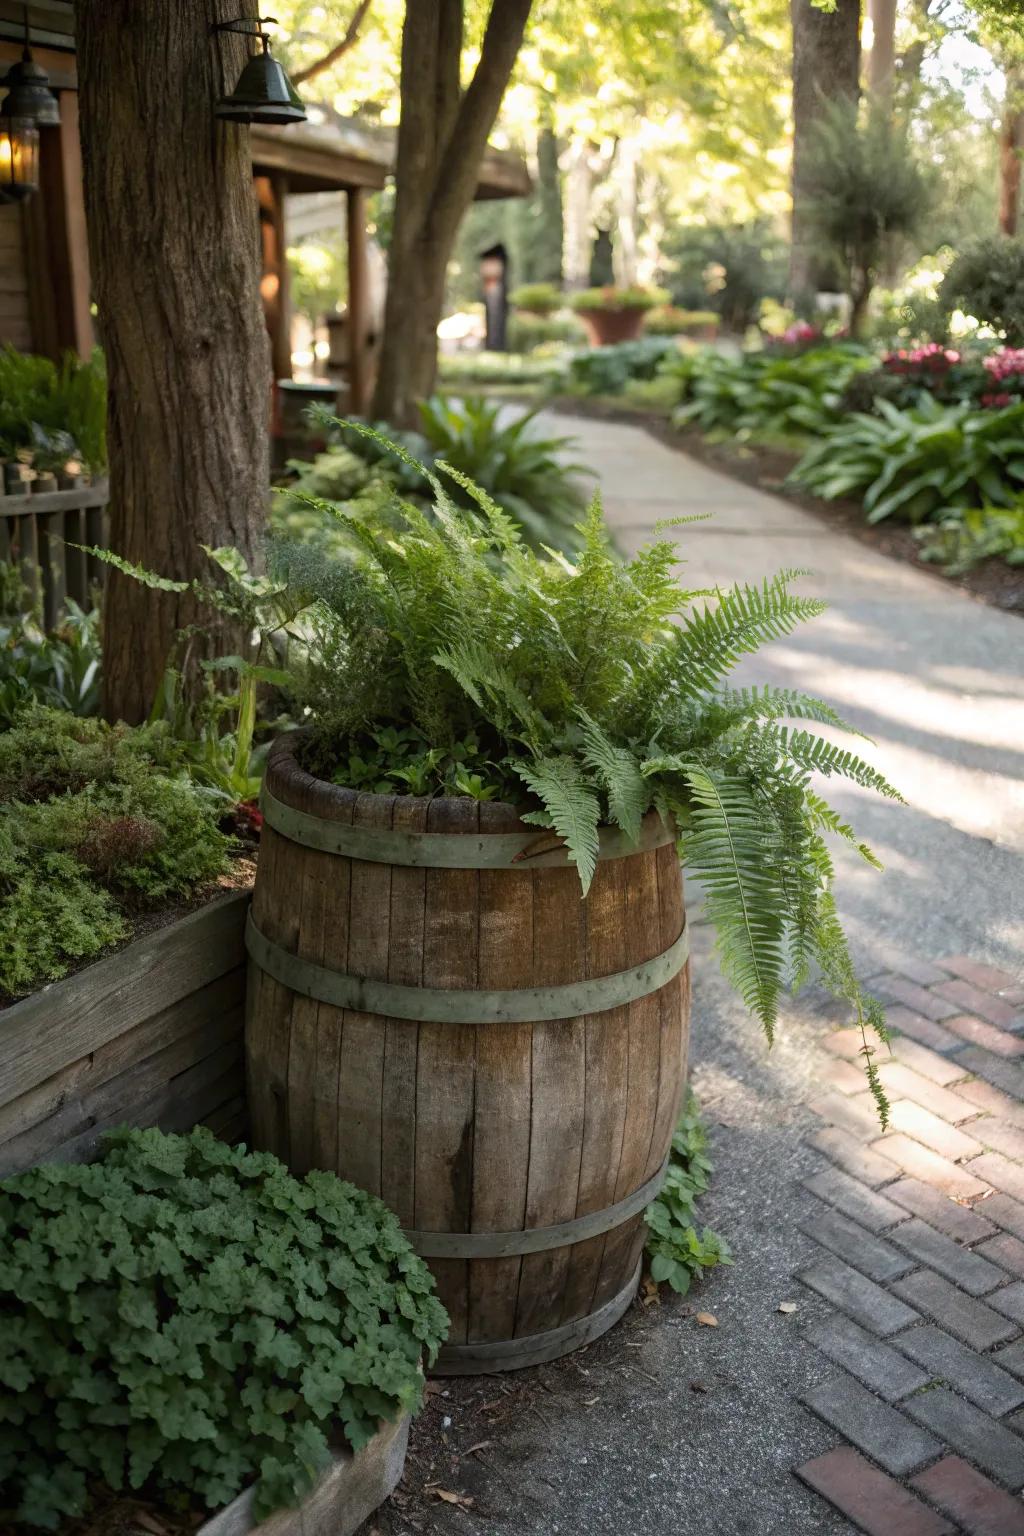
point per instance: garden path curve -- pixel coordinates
(911, 1250)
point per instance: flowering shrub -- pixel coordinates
(930, 360)
(1005, 367)
(799, 336)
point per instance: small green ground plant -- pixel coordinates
(678, 1253)
(766, 395)
(618, 298)
(59, 668)
(96, 824)
(961, 541)
(54, 410)
(183, 1318)
(608, 370)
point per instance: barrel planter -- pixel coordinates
(436, 1014)
(611, 324)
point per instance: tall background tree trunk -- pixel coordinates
(175, 270)
(881, 66)
(579, 186)
(442, 137)
(548, 200)
(627, 173)
(1011, 145)
(826, 68)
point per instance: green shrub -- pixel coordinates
(183, 1318)
(919, 463)
(618, 298)
(95, 823)
(986, 280)
(527, 332)
(538, 298)
(669, 321)
(607, 370)
(589, 690)
(477, 369)
(730, 267)
(54, 413)
(767, 394)
(964, 539)
(60, 669)
(338, 474)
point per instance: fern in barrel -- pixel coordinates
(443, 655)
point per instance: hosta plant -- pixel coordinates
(767, 394)
(919, 463)
(588, 691)
(183, 1318)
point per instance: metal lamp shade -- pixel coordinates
(19, 158)
(264, 94)
(28, 94)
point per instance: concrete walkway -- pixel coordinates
(674, 1429)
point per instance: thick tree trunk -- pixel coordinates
(548, 210)
(442, 137)
(826, 68)
(627, 170)
(175, 268)
(579, 187)
(1011, 146)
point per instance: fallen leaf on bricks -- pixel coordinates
(707, 1320)
(461, 1499)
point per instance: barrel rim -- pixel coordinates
(295, 787)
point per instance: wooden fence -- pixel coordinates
(37, 532)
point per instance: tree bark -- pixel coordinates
(1011, 145)
(579, 187)
(627, 170)
(826, 68)
(882, 57)
(442, 137)
(175, 265)
(548, 209)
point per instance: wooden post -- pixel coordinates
(358, 299)
(274, 285)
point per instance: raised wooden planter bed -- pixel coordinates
(346, 1495)
(434, 1013)
(152, 1035)
(38, 532)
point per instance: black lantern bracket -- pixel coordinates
(249, 26)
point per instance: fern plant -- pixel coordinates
(590, 690)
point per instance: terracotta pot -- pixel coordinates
(604, 327)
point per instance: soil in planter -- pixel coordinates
(114, 1515)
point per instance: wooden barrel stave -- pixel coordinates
(473, 1127)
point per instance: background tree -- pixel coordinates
(826, 69)
(175, 270)
(442, 136)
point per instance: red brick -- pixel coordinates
(925, 972)
(998, 1171)
(900, 1083)
(1013, 995)
(969, 1498)
(846, 1076)
(1004, 1250)
(986, 1096)
(870, 1498)
(963, 1223)
(932, 1169)
(972, 1000)
(844, 1042)
(937, 1069)
(1006, 1213)
(1008, 1139)
(934, 1006)
(857, 1114)
(923, 1126)
(999, 1041)
(872, 1167)
(904, 1021)
(988, 977)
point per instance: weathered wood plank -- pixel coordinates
(47, 1031)
(501, 1121)
(401, 1036)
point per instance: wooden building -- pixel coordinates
(45, 299)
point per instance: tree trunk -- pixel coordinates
(1011, 144)
(826, 68)
(579, 185)
(548, 209)
(442, 136)
(882, 57)
(175, 268)
(626, 209)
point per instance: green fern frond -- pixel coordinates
(820, 756)
(136, 572)
(823, 815)
(629, 794)
(769, 703)
(573, 806)
(731, 847)
(714, 640)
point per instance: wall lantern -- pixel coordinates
(28, 106)
(264, 94)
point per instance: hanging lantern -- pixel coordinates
(19, 158)
(263, 94)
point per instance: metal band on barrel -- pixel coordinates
(447, 850)
(535, 1348)
(518, 1005)
(503, 1245)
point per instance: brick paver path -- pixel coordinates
(921, 1253)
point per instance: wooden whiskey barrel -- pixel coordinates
(436, 1015)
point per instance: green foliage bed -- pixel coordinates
(183, 1318)
(96, 824)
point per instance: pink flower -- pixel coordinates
(997, 401)
(930, 358)
(1002, 365)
